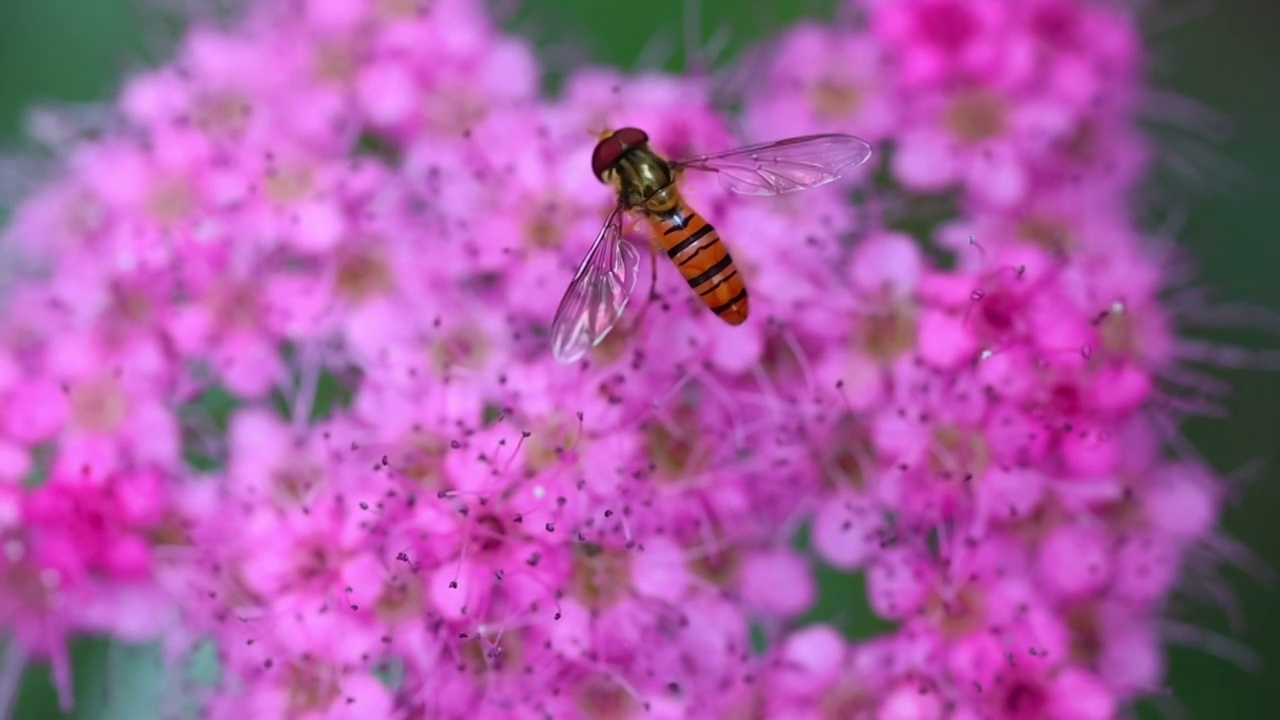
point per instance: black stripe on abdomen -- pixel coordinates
(694, 237)
(721, 309)
(698, 252)
(719, 282)
(711, 272)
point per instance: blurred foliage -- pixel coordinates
(72, 50)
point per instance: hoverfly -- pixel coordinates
(647, 184)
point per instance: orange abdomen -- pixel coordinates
(704, 261)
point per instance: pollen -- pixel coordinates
(601, 576)
(835, 99)
(402, 599)
(463, 347)
(1051, 234)
(289, 183)
(222, 114)
(544, 228)
(171, 201)
(98, 405)
(887, 333)
(399, 9)
(958, 451)
(311, 687)
(600, 697)
(420, 460)
(675, 449)
(362, 275)
(335, 62)
(543, 448)
(976, 115)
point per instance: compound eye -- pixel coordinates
(611, 149)
(607, 153)
(632, 137)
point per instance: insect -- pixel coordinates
(648, 185)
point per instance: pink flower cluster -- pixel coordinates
(278, 379)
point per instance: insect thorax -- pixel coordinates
(645, 181)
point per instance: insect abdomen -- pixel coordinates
(695, 247)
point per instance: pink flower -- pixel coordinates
(996, 96)
(777, 584)
(276, 377)
(824, 80)
(79, 557)
(942, 39)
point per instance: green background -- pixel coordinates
(77, 50)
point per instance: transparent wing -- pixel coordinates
(784, 166)
(598, 293)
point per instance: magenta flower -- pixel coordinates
(279, 380)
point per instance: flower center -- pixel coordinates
(1118, 332)
(886, 333)
(600, 697)
(1086, 634)
(171, 530)
(170, 201)
(844, 454)
(335, 62)
(294, 480)
(492, 532)
(453, 110)
(236, 305)
(317, 561)
(311, 687)
(783, 356)
(1050, 234)
(236, 591)
(542, 232)
(131, 305)
(958, 451)
(224, 114)
(483, 656)
(362, 275)
(962, 614)
(544, 227)
(1082, 143)
(98, 405)
(547, 441)
(422, 460)
(288, 184)
(846, 700)
(601, 576)
(719, 566)
(392, 9)
(464, 347)
(676, 452)
(401, 599)
(835, 99)
(615, 345)
(976, 115)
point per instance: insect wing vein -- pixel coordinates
(784, 166)
(598, 294)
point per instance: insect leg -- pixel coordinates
(653, 286)
(653, 272)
